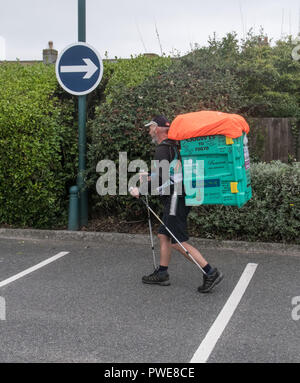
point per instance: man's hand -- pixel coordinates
(135, 192)
(144, 177)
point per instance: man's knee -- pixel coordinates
(163, 238)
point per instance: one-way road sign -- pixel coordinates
(79, 69)
(89, 67)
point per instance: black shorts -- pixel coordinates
(176, 223)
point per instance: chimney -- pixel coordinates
(50, 54)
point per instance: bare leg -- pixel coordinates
(193, 251)
(165, 249)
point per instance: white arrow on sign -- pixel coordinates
(90, 68)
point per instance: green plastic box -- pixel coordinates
(225, 178)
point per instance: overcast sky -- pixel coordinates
(128, 27)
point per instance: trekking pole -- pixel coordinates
(151, 235)
(142, 172)
(169, 231)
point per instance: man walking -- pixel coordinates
(174, 216)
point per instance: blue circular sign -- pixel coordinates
(79, 69)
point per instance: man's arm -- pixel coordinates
(161, 153)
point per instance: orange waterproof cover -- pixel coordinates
(207, 123)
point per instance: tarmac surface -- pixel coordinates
(91, 306)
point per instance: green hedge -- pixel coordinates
(38, 131)
(273, 214)
(249, 78)
(37, 147)
(131, 72)
(186, 84)
(117, 125)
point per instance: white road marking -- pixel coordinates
(206, 347)
(33, 268)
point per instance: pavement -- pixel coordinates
(89, 305)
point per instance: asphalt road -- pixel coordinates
(90, 306)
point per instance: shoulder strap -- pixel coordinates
(177, 157)
(171, 145)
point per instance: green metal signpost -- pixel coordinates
(79, 70)
(83, 194)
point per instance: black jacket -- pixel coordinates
(158, 184)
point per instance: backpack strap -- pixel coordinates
(175, 148)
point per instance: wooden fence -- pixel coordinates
(274, 139)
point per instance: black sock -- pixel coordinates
(163, 268)
(207, 268)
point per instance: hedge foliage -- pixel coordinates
(38, 132)
(273, 213)
(37, 147)
(129, 73)
(189, 83)
(252, 78)
(113, 129)
(271, 78)
(249, 78)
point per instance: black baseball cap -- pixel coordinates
(159, 121)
